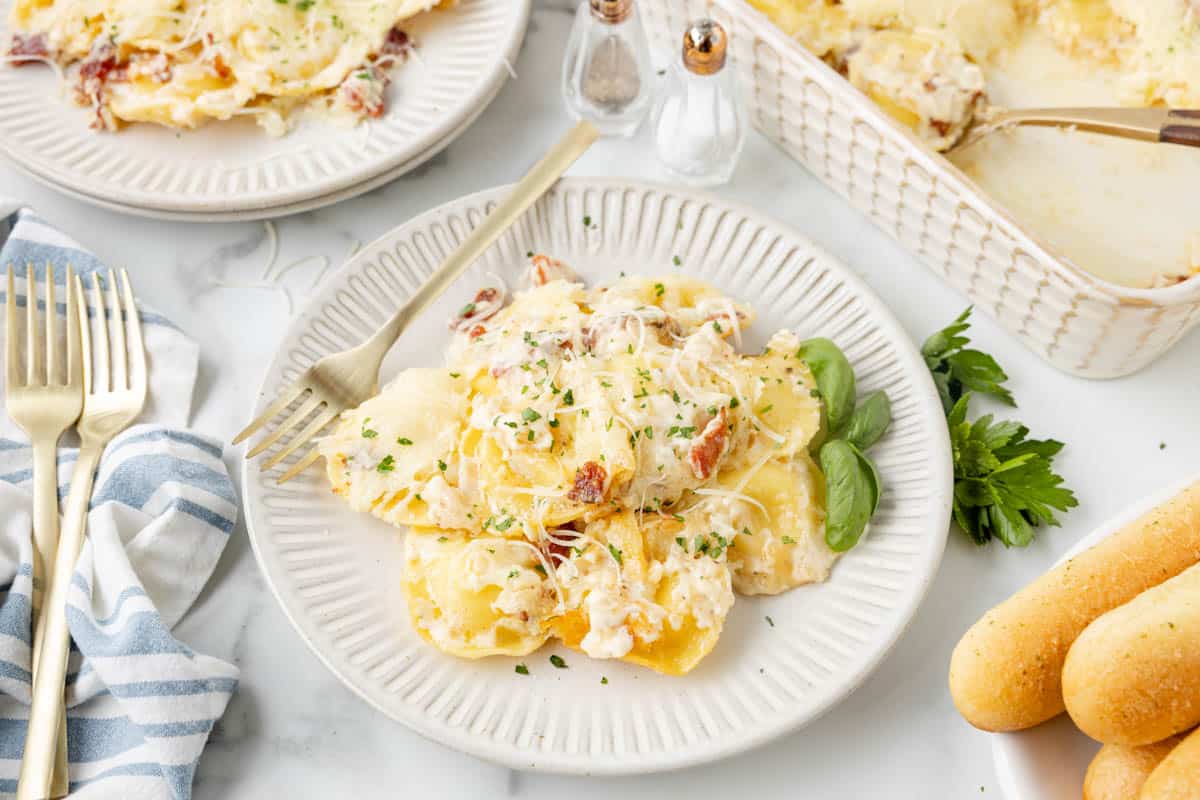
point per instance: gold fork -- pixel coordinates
(44, 399)
(1167, 125)
(114, 385)
(344, 380)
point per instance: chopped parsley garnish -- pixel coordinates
(659, 289)
(733, 402)
(683, 432)
(541, 570)
(441, 465)
(649, 431)
(455, 374)
(603, 680)
(558, 662)
(467, 310)
(404, 440)
(788, 540)
(770, 621)
(568, 398)
(553, 423)
(717, 326)
(676, 260)
(521, 669)
(367, 433)
(443, 538)
(529, 340)
(679, 540)
(503, 524)
(305, 5)
(529, 415)
(514, 572)
(587, 221)
(386, 465)
(678, 517)
(616, 553)
(766, 409)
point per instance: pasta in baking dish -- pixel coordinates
(598, 465)
(181, 63)
(923, 61)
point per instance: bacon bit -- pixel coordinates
(708, 448)
(524, 615)
(477, 331)
(723, 315)
(33, 45)
(941, 126)
(362, 91)
(95, 72)
(589, 484)
(544, 269)
(483, 307)
(397, 43)
(219, 67)
(563, 551)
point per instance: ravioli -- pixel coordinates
(598, 465)
(181, 63)
(923, 61)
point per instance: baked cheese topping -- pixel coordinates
(601, 465)
(181, 63)
(919, 59)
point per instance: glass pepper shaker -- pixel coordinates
(699, 126)
(606, 76)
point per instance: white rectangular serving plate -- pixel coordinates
(1078, 322)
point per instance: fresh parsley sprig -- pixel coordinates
(1004, 484)
(958, 369)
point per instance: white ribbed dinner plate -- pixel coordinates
(463, 56)
(337, 574)
(1048, 762)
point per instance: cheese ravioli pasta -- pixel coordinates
(599, 465)
(181, 63)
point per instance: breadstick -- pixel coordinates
(1006, 672)
(1118, 772)
(1133, 676)
(1178, 776)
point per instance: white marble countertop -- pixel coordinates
(294, 731)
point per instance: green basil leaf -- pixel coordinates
(835, 379)
(869, 421)
(851, 493)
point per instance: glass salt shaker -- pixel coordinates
(699, 127)
(606, 76)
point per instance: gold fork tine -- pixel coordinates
(137, 357)
(85, 335)
(293, 420)
(53, 357)
(302, 438)
(72, 364)
(32, 340)
(102, 375)
(120, 374)
(300, 466)
(286, 398)
(12, 353)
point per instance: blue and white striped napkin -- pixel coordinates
(140, 703)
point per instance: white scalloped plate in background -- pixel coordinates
(1048, 762)
(337, 574)
(234, 166)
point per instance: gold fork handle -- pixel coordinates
(46, 712)
(45, 542)
(1182, 127)
(535, 183)
(1173, 126)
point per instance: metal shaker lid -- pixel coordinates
(704, 47)
(611, 11)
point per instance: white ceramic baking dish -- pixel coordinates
(1078, 322)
